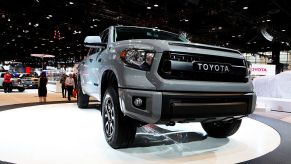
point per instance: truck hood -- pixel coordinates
(160, 46)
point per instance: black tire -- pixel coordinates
(119, 130)
(82, 99)
(21, 89)
(221, 129)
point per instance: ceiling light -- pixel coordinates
(149, 7)
(50, 16)
(283, 30)
(7, 43)
(29, 23)
(35, 47)
(36, 25)
(43, 44)
(254, 42)
(13, 40)
(71, 3)
(51, 41)
(220, 28)
(246, 7)
(3, 16)
(186, 20)
(19, 36)
(91, 27)
(77, 32)
(263, 21)
(233, 36)
(8, 20)
(95, 25)
(268, 20)
(156, 5)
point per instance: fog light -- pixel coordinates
(138, 102)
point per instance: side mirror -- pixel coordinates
(94, 42)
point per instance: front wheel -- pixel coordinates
(221, 129)
(20, 89)
(119, 130)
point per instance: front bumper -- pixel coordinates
(162, 107)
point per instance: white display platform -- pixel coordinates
(64, 134)
(277, 104)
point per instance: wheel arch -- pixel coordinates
(109, 78)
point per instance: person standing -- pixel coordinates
(42, 90)
(70, 83)
(7, 84)
(63, 83)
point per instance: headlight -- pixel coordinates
(137, 58)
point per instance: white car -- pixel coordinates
(16, 83)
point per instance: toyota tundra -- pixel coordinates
(150, 76)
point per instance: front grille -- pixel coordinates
(180, 66)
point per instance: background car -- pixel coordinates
(16, 82)
(29, 80)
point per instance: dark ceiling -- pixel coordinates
(58, 27)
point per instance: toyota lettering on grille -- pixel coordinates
(211, 67)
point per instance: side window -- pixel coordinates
(104, 36)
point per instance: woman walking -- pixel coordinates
(42, 90)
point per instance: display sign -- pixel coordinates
(263, 70)
(27, 70)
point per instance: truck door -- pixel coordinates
(96, 60)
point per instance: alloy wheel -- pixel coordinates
(109, 122)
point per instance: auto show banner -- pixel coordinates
(263, 70)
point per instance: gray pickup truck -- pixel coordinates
(150, 76)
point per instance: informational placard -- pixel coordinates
(263, 70)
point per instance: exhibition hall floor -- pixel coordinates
(60, 132)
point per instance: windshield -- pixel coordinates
(128, 33)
